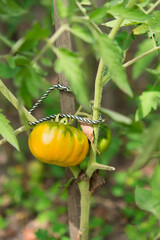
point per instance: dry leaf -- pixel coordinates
(87, 128)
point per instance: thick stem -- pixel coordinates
(85, 209)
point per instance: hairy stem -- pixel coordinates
(132, 61)
(153, 7)
(85, 209)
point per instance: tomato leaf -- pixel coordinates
(112, 59)
(132, 233)
(10, 8)
(61, 8)
(118, 117)
(155, 183)
(154, 21)
(148, 100)
(144, 199)
(69, 63)
(98, 14)
(7, 131)
(128, 13)
(150, 142)
(82, 33)
(141, 29)
(5, 71)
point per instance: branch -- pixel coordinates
(129, 63)
(153, 7)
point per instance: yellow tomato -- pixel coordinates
(59, 144)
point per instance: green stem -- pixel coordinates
(92, 165)
(85, 209)
(153, 7)
(129, 63)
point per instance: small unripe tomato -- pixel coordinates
(104, 138)
(59, 144)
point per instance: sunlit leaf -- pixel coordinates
(148, 101)
(82, 33)
(141, 29)
(154, 21)
(112, 59)
(118, 117)
(128, 13)
(7, 131)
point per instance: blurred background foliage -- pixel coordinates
(33, 195)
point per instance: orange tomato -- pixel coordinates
(59, 144)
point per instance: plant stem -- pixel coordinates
(129, 63)
(153, 7)
(85, 209)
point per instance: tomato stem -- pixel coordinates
(85, 209)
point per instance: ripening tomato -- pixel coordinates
(104, 137)
(59, 144)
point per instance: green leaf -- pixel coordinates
(151, 140)
(82, 33)
(11, 9)
(70, 64)
(5, 40)
(118, 117)
(154, 21)
(141, 29)
(112, 59)
(37, 32)
(7, 131)
(148, 100)
(98, 15)
(21, 60)
(61, 8)
(132, 233)
(43, 234)
(124, 23)
(155, 183)
(140, 65)
(5, 71)
(46, 62)
(128, 13)
(28, 83)
(144, 199)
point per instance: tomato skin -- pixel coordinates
(59, 144)
(104, 138)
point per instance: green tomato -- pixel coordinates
(104, 137)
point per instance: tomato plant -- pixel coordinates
(59, 144)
